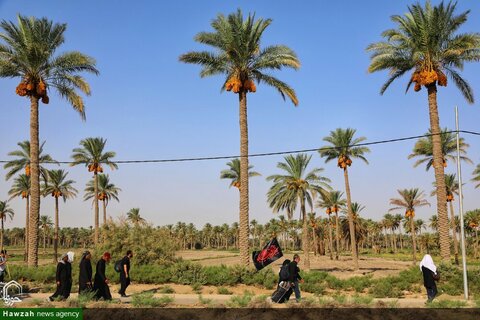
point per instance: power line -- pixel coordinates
(266, 154)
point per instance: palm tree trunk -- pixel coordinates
(414, 242)
(97, 222)
(55, 236)
(26, 227)
(44, 241)
(104, 211)
(1, 236)
(337, 236)
(34, 184)
(443, 228)
(244, 202)
(454, 231)
(305, 239)
(330, 237)
(315, 242)
(351, 225)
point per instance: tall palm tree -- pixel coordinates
(427, 44)
(344, 147)
(332, 201)
(451, 185)
(238, 56)
(297, 185)
(423, 149)
(22, 161)
(92, 155)
(28, 53)
(45, 224)
(389, 223)
(5, 211)
(106, 192)
(476, 176)
(409, 200)
(21, 188)
(133, 215)
(233, 173)
(472, 224)
(58, 186)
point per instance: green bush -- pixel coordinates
(147, 299)
(223, 290)
(166, 289)
(220, 275)
(383, 288)
(240, 301)
(149, 273)
(185, 272)
(359, 284)
(149, 245)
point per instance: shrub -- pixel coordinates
(447, 304)
(361, 300)
(223, 290)
(220, 275)
(149, 245)
(147, 274)
(260, 302)
(359, 284)
(240, 301)
(383, 288)
(185, 272)
(166, 289)
(147, 299)
(197, 287)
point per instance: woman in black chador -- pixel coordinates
(63, 278)
(100, 285)
(85, 276)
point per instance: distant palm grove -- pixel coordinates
(423, 45)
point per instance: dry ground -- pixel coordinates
(342, 268)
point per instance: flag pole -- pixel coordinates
(460, 201)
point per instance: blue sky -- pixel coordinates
(150, 106)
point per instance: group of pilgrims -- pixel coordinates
(99, 285)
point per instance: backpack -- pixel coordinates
(284, 273)
(118, 266)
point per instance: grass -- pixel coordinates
(240, 301)
(197, 288)
(204, 301)
(260, 301)
(166, 290)
(146, 299)
(223, 290)
(446, 304)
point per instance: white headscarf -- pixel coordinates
(70, 255)
(427, 262)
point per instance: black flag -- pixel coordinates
(269, 253)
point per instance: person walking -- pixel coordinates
(294, 276)
(100, 284)
(85, 273)
(125, 273)
(430, 275)
(63, 277)
(3, 264)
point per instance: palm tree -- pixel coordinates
(472, 224)
(106, 192)
(58, 186)
(91, 154)
(45, 224)
(451, 189)
(297, 185)
(134, 217)
(409, 200)
(344, 148)
(424, 149)
(233, 173)
(28, 53)
(389, 223)
(239, 57)
(476, 176)
(23, 160)
(427, 44)
(5, 211)
(360, 226)
(21, 188)
(333, 202)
